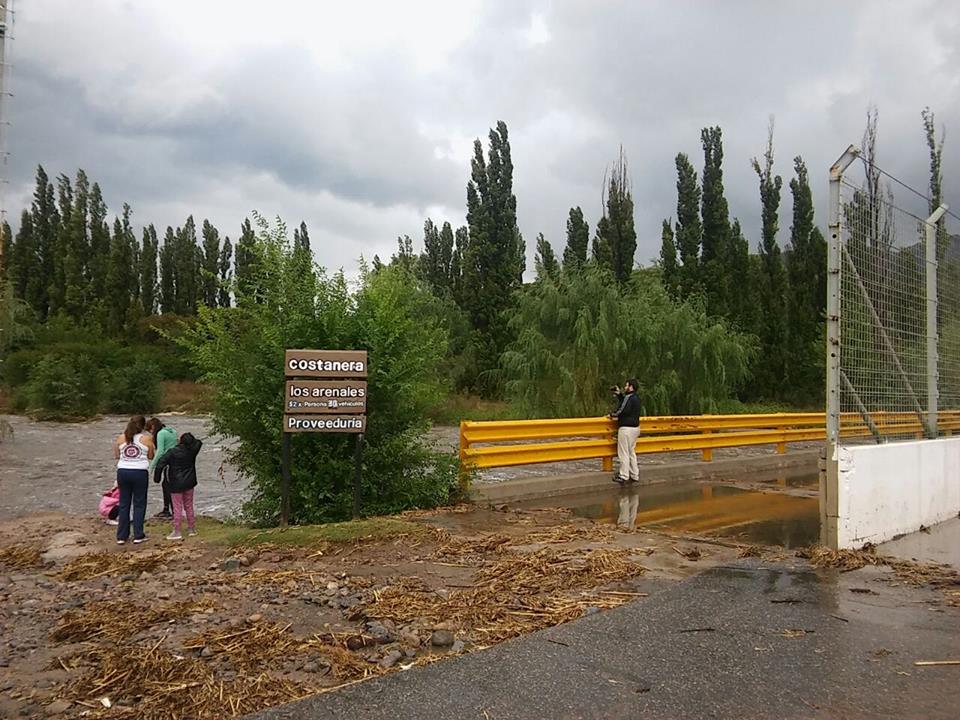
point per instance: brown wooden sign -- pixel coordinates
(336, 364)
(325, 423)
(325, 396)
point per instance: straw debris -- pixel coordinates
(94, 565)
(250, 647)
(20, 556)
(113, 619)
(513, 595)
(154, 684)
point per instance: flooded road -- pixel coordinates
(788, 517)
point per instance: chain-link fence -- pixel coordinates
(894, 323)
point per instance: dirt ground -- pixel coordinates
(80, 612)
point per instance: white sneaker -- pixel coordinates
(137, 541)
(121, 542)
(192, 533)
(175, 536)
(111, 522)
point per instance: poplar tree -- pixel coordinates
(24, 264)
(772, 328)
(806, 290)
(669, 270)
(246, 263)
(148, 270)
(743, 295)
(53, 258)
(436, 260)
(458, 264)
(168, 281)
(211, 264)
(226, 262)
(186, 267)
(121, 272)
(714, 255)
(495, 257)
(45, 219)
(689, 229)
(616, 236)
(545, 261)
(935, 148)
(578, 240)
(76, 251)
(100, 243)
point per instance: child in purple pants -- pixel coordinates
(181, 479)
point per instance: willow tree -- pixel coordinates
(576, 338)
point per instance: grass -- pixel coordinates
(454, 408)
(186, 396)
(231, 535)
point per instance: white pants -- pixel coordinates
(627, 452)
(629, 504)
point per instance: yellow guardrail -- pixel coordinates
(512, 442)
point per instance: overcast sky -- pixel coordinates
(359, 117)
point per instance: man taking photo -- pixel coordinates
(627, 416)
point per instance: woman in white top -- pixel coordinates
(133, 451)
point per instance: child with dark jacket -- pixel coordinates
(181, 479)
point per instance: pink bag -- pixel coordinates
(109, 501)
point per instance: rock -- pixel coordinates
(380, 633)
(207, 652)
(311, 667)
(255, 618)
(209, 611)
(130, 577)
(333, 586)
(164, 595)
(391, 659)
(591, 610)
(409, 637)
(230, 564)
(441, 638)
(58, 707)
(244, 561)
(348, 602)
(410, 653)
(355, 642)
(457, 646)
(65, 545)
(146, 575)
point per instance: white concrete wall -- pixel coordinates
(888, 490)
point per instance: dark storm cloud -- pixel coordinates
(363, 149)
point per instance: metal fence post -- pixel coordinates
(834, 258)
(830, 481)
(932, 353)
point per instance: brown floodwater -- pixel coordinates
(718, 510)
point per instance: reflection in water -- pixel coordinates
(629, 504)
(694, 508)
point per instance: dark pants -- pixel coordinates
(133, 490)
(165, 486)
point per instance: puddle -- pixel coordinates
(707, 509)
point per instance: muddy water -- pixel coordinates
(65, 467)
(790, 519)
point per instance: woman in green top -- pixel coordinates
(165, 439)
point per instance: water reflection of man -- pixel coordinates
(629, 503)
(627, 416)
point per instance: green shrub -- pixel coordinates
(62, 389)
(289, 304)
(132, 389)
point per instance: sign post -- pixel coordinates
(326, 391)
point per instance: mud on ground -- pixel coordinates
(256, 625)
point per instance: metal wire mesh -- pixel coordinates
(885, 378)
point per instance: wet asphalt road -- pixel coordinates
(744, 641)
